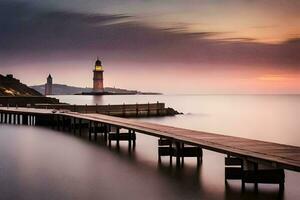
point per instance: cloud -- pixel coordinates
(238, 39)
(31, 33)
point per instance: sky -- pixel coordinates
(174, 46)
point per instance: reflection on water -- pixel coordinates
(40, 163)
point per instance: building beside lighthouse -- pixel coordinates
(98, 77)
(48, 85)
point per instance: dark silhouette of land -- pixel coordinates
(9, 86)
(61, 89)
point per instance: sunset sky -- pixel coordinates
(174, 46)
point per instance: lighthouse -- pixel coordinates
(98, 77)
(48, 86)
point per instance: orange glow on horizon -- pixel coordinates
(274, 77)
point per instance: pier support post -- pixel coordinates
(80, 128)
(255, 181)
(134, 139)
(199, 157)
(69, 123)
(63, 123)
(182, 154)
(105, 132)
(19, 119)
(171, 152)
(90, 130)
(74, 126)
(118, 137)
(178, 150)
(13, 119)
(169, 147)
(96, 126)
(7, 118)
(131, 139)
(109, 138)
(25, 119)
(57, 122)
(249, 172)
(4, 118)
(1, 114)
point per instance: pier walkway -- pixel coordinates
(274, 156)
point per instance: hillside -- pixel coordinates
(9, 86)
(59, 89)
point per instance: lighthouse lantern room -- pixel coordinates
(98, 77)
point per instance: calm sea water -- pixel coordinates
(40, 163)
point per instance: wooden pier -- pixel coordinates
(250, 161)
